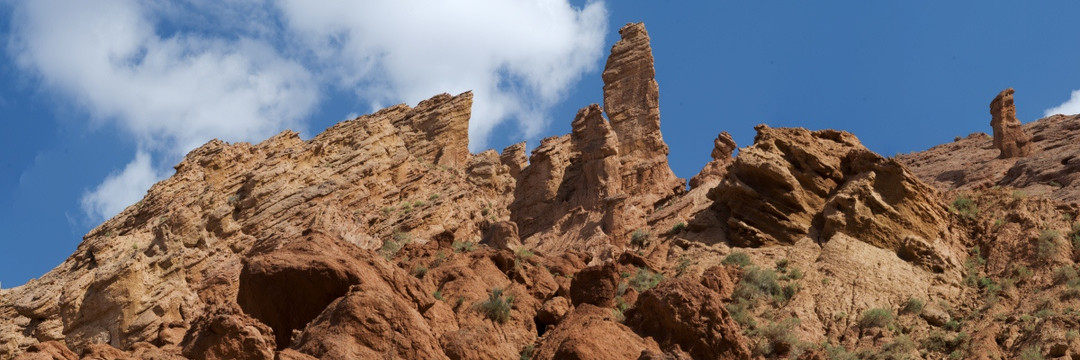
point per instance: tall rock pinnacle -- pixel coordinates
(631, 103)
(1009, 136)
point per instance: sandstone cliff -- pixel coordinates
(383, 237)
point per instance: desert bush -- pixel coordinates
(757, 282)
(1032, 353)
(496, 307)
(740, 312)
(678, 227)
(645, 280)
(738, 258)
(640, 238)
(460, 246)
(778, 338)
(876, 317)
(912, 306)
(1047, 244)
(419, 271)
(527, 352)
(390, 247)
(965, 207)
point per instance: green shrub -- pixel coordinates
(912, 306)
(391, 246)
(876, 317)
(645, 280)
(496, 307)
(740, 312)
(527, 352)
(438, 295)
(1047, 245)
(463, 246)
(738, 258)
(433, 197)
(782, 264)
(684, 263)
(640, 238)
(965, 207)
(419, 271)
(778, 337)
(1031, 353)
(757, 282)
(794, 274)
(678, 227)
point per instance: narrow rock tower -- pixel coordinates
(631, 101)
(1009, 136)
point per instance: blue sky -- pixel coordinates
(99, 102)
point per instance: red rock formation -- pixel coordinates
(684, 313)
(794, 183)
(714, 170)
(1009, 136)
(631, 101)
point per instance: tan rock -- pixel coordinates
(684, 313)
(714, 170)
(588, 332)
(775, 190)
(1009, 136)
(631, 101)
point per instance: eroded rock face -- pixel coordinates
(714, 170)
(793, 183)
(1009, 136)
(631, 101)
(588, 333)
(684, 313)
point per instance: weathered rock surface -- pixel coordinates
(1052, 168)
(1009, 136)
(631, 101)
(794, 183)
(715, 169)
(591, 332)
(684, 313)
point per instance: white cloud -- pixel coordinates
(519, 57)
(122, 189)
(173, 75)
(1069, 107)
(172, 93)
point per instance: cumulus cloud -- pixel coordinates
(121, 189)
(519, 57)
(172, 93)
(1069, 107)
(173, 75)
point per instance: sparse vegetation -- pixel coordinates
(527, 352)
(756, 283)
(640, 238)
(965, 207)
(461, 246)
(971, 267)
(433, 197)
(912, 306)
(390, 247)
(645, 280)
(678, 227)
(438, 295)
(876, 317)
(419, 271)
(1031, 353)
(777, 338)
(496, 307)
(738, 258)
(1047, 244)
(684, 263)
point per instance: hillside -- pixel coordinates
(384, 237)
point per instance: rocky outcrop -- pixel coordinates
(437, 130)
(589, 333)
(1052, 167)
(1009, 136)
(631, 101)
(714, 170)
(684, 313)
(794, 183)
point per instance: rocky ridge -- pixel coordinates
(384, 237)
